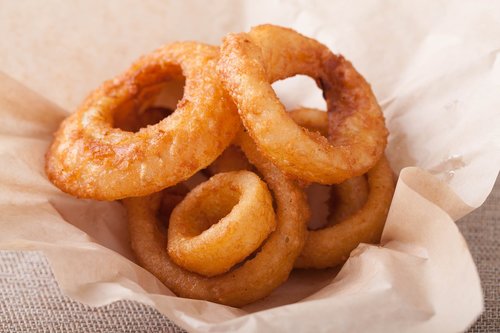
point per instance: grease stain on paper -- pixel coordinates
(447, 168)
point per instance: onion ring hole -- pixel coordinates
(311, 96)
(151, 105)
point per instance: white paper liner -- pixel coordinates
(436, 71)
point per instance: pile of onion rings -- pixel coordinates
(214, 176)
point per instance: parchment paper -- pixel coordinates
(435, 68)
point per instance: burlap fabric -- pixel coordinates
(30, 300)
(481, 229)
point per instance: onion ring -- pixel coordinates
(256, 277)
(313, 120)
(231, 159)
(200, 241)
(359, 214)
(250, 62)
(331, 246)
(172, 196)
(347, 197)
(90, 158)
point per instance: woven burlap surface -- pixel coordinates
(30, 300)
(481, 229)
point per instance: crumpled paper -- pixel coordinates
(435, 68)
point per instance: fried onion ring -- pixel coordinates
(200, 241)
(358, 213)
(256, 277)
(231, 159)
(331, 246)
(347, 197)
(313, 120)
(250, 62)
(172, 196)
(90, 158)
